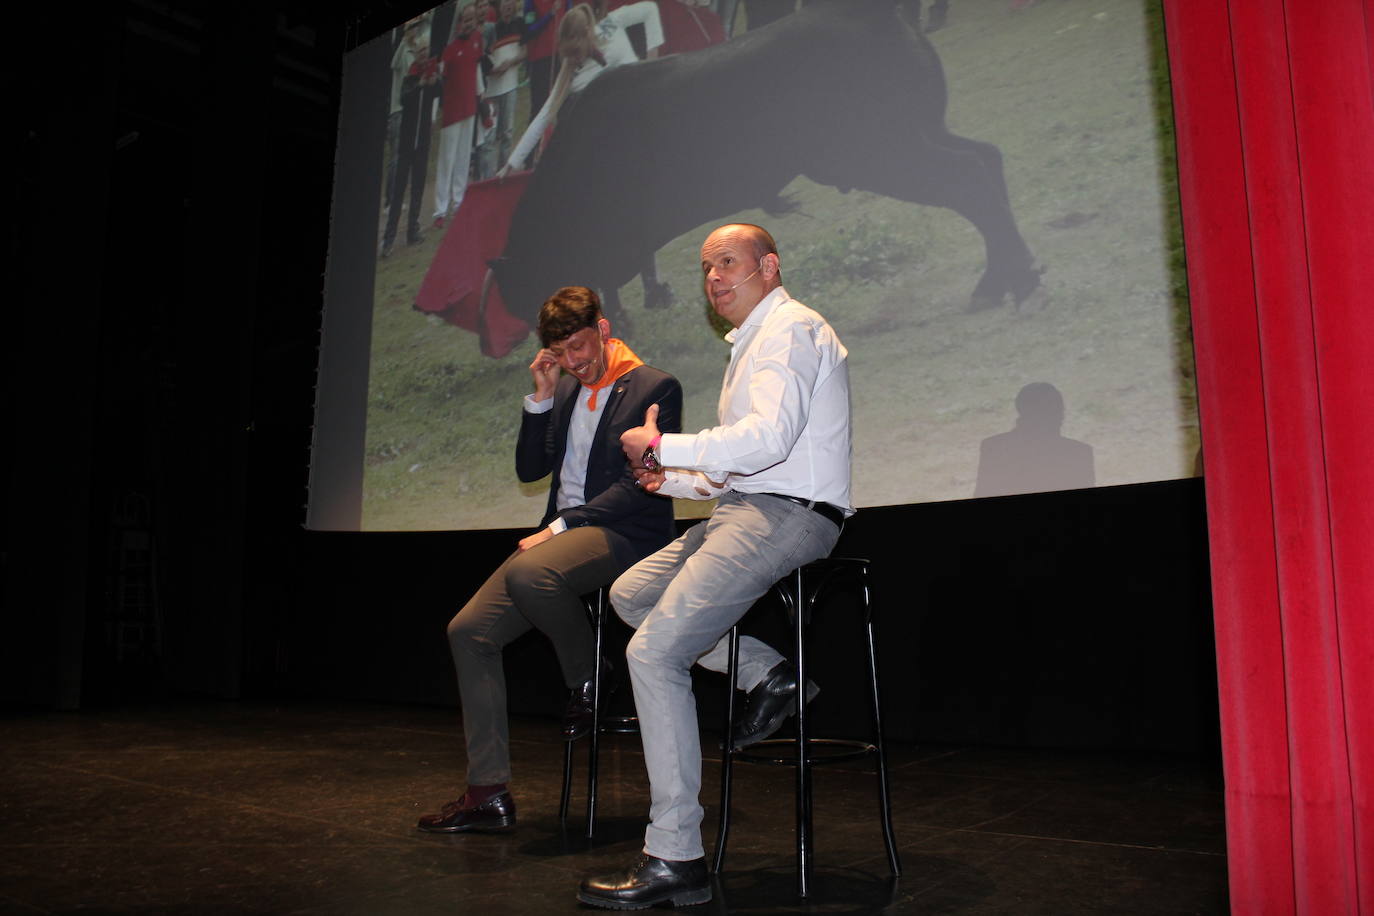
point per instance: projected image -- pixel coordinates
(985, 211)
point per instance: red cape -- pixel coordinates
(475, 235)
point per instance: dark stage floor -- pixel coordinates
(310, 808)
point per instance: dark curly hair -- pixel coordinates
(568, 311)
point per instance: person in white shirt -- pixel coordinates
(779, 464)
(590, 42)
(505, 53)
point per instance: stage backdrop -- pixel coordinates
(985, 208)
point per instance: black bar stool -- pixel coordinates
(799, 592)
(596, 605)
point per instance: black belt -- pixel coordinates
(825, 510)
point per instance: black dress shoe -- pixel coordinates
(648, 882)
(577, 717)
(496, 813)
(770, 703)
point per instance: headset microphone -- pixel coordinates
(746, 279)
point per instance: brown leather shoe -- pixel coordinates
(496, 813)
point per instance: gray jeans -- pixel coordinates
(539, 588)
(726, 10)
(682, 601)
(494, 151)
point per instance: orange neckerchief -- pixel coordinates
(619, 360)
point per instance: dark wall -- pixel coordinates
(1076, 619)
(159, 364)
(172, 204)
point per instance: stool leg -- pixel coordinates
(804, 841)
(567, 780)
(594, 747)
(883, 798)
(727, 758)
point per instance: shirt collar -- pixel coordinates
(765, 307)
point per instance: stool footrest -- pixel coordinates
(613, 725)
(619, 725)
(833, 750)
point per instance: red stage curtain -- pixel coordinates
(1274, 104)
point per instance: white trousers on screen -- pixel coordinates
(451, 176)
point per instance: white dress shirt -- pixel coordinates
(617, 51)
(783, 411)
(572, 477)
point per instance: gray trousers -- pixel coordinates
(682, 602)
(539, 588)
(726, 9)
(494, 151)
(393, 153)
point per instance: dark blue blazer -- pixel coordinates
(613, 500)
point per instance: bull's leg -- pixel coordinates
(615, 312)
(657, 294)
(963, 175)
(936, 15)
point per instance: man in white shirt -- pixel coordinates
(779, 464)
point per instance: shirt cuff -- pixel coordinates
(689, 485)
(558, 526)
(533, 406)
(675, 450)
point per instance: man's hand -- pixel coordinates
(539, 537)
(544, 370)
(635, 441)
(647, 480)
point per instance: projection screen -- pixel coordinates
(986, 212)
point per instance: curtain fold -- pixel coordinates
(1275, 134)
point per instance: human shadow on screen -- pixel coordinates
(1033, 457)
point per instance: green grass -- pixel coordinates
(1091, 178)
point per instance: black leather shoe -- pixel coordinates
(770, 703)
(648, 882)
(577, 717)
(496, 813)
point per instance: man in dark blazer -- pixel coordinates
(598, 524)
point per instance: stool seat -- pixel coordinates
(799, 592)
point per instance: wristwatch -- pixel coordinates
(650, 457)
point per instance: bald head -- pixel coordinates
(740, 266)
(757, 237)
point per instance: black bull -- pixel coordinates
(849, 94)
